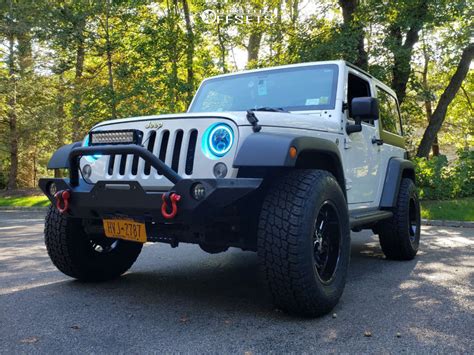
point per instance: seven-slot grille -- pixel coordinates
(175, 147)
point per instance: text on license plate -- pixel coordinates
(125, 229)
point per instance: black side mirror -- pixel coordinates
(363, 109)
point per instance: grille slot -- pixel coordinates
(151, 145)
(177, 150)
(190, 153)
(110, 169)
(164, 145)
(123, 164)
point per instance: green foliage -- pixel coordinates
(439, 180)
(25, 201)
(144, 48)
(453, 210)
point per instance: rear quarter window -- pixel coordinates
(389, 114)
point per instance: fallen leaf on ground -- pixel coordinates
(29, 340)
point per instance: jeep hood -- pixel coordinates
(316, 120)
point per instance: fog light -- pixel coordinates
(198, 191)
(52, 188)
(87, 171)
(220, 170)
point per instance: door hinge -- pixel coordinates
(347, 143)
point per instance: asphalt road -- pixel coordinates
(184, 300)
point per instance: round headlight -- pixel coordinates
(220, 140)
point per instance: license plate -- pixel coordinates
(125, 229)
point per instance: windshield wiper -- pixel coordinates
(254, 120)
(269, 109)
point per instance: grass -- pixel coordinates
(24, 201)
(451, 210)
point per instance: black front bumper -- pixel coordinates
(129, 198)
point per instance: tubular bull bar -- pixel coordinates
(129, 198)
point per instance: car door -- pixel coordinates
(361, 151)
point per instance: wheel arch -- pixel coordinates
(397, 169)
(264, 152)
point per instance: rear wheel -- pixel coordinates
(400, 235)
(83, 256)
(304, 242)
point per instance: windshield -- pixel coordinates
(292, 89)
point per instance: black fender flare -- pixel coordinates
(397, 168)
(268, 150)
(60, 158)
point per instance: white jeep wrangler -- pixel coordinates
(283, 161)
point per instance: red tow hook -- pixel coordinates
(62, 198)
(167, 198)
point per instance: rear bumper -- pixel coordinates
(128, 198)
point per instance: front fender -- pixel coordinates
(60, 158)
(273, 149)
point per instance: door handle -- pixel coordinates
(378, 141)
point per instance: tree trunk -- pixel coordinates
(12, 115)
(253, 47)
(351, 25)
(426, 88)
(222, 49)
(294, 12)
(77, 100)
(402, 60)
(172, 18)
(402, 51)
(189, 53)
(439, 113)
(108, 49)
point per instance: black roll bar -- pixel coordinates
(134, 149)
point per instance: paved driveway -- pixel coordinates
(183, 300)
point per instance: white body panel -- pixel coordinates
(364, 163)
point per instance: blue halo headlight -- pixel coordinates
(218, 140)
(90, 158)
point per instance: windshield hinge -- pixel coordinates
(253, 120)
(345, 106)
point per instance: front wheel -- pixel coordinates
(304, 242)
(83, 256)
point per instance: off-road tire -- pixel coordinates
(72, 252)
(398, 239)
(286, 246)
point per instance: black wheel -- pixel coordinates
(400, 235)
(304, 242)
(83, 256)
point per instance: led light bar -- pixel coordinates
(130, 136)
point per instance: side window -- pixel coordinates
(356, 87)
(389, 112)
